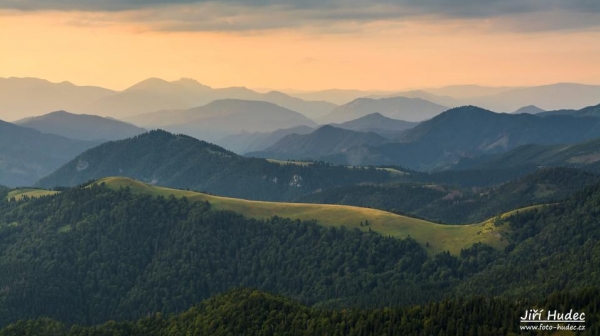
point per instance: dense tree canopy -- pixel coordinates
(250, 312)
(457, 204)
(91, 254)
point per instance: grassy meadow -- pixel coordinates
(433, 237)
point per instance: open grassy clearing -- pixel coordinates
(287, 162)
(18, 194)
(439, 237)
(308, 163)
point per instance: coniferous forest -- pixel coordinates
(91, 254)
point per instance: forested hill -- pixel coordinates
(89, 255)
(325, 141)
(584, 155)
(179, 161)
(590, 111)
(553, 248)
(26, 154)
(3, 192)
(93, 254)
(251, 312)
(455, 204)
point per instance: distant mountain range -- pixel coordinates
(408, 109)
(469, 131)
(220, 118)
(147, 96)
(255, 142)
(81, 126)
(24, 97)
(27, 154)
(325, 141)
(180, 161)
(156, 94)
(337, 96)
(498, 99)
(421, 94)
(458, 133)
(548, 97)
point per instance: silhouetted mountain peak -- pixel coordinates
(531, 109)
(149, 84)
(400, 108)
(326, 128)
(81, 126)
(159, 136)
(191, 83)
(371, 117)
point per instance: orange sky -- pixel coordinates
(116, 53)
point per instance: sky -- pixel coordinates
(304, 45)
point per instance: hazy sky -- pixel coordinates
(314, 44)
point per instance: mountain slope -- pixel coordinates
(252, 311)
(235, 116)
(81, 126)
(335, 96)
(150, 95)
(446, 237)
(580, 155)
(180, 161)
(65, 248)
(256, 142)
(452, 204)
(253, 142)
(27, 154)
(561, 234)
(441, 100)
(590, 111)
(409, 109)
(21, 97)
(325, 141)
(377, 123)
(311, 109)
(175, 252)
(220, 118)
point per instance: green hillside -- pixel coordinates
(322, 143)
(581, 155)
(252, 312)
(438, 237)
(121, 250)
(26, 154)
(18, 194)
(449, 203)
(90, 255)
